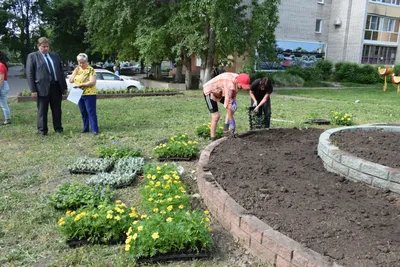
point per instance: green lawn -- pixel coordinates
(32, 166)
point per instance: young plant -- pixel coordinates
(91, 165)
(102, 224)
(178, 146)
(203, 131)
(72, 195)
(126, 165)
(115, 179)
(342, 118)
(117, 151)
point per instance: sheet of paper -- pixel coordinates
(74, 95)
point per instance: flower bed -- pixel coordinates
(117, 151)
(179, 147)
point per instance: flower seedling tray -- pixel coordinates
(177, 159)
(91, 166)
(318, 121)
(113, 179)
(74, 243)
(173, 256)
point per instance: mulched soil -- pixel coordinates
(278, 177)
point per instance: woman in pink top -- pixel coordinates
(4, 89)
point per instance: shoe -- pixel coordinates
(84, 131)
(5, 123)
(42, 134)
(59, 131)
(95, 133)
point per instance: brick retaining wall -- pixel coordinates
(259, 238)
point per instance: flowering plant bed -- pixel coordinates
(91, 165)
(94, 225)
(342, 118)
(72, 195)
(179, 146)
(203, 131)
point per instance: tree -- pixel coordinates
(23, 25)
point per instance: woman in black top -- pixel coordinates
(260, 92)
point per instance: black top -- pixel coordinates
(260, 92)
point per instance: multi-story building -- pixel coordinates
(360, 31)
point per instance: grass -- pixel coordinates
(32, 166)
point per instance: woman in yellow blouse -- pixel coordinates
(84, 77)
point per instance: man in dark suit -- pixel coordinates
(47, 83)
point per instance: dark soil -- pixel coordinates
(278, 177)
(376, 146)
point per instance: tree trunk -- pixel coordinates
(178, 72)
(156, 71)
(207, 58)
(188, 72)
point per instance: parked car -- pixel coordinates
(108, 80)
(128, 68)
(108, 66)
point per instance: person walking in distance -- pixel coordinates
(47, 83)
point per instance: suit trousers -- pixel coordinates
(87, 106)
(54, 99)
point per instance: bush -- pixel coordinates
(324, 68)
(178, 146)
(204, 131)
(117, 151)
(284, 79)
(308, 74)
(342, 118)
(356, 73)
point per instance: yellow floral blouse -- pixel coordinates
(83, 76)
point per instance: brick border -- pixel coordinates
(356, 169)
(259, 238)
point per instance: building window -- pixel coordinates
(318, 25)
(320, 1)
(388, 2)
(373, 54)
(383, 29)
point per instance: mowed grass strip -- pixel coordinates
(32, 166)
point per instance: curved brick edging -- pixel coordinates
(354, 168)
(259, 238)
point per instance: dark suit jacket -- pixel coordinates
(38, 74)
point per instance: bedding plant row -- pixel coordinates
(164, 221)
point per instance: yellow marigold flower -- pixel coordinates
(133, 215)
(72, 213)
(170, 207)
(169, 199)
(189, 142)
(166, 177)
(187, 213)
(151, 183)
(161, 201)
(153, 177)
(177, 197)
(61, 221)
(134, 236)
(118, 201)
(155, 235)
(140, 228)
(158, 168)
(109, 216)
(149, 176)
(101, 206)
(110, 211)
(117, 218)
(128, 240)
(169, 219)
(77, 218)
(158, 183)
(207, 219)
(160, 194)
(129, 231)
(68, 212)
(162, 212)
(348, 119)
(209, 229)
(336, 117)
(144, 216)
(150, 199)
(135, 222)
(181, 206)
(164, 145)
(195, 142)
(206, 212)
(95, 215)
(155, 209)
(167, 186)
(127, 247)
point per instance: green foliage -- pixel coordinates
(284, 79)
(308, 74)
(72, 195)
(177, 146)
(203, 131)
(172, 232)
(85, 164)
(100, 224)
(25, 93)
(356, 73)
(341, 118)
(129, 165)
(117, 151)
(324, 68)
(115, 179)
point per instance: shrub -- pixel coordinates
(324, 68)
(342, 118)
(102, 224)
(72, 195)
(284, 79)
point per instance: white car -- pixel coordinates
(107, 80)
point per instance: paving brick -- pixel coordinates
(244, 238)
(359, 176)
(262, 253)
(233, 211)
(394, 176)
(338, 167)
(254, 227)
(375, 169)
(351, 161)
(309, 258)
(279, 244)
(281, 262)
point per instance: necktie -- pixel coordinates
(50, 67)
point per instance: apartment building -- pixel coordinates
(360, 31)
